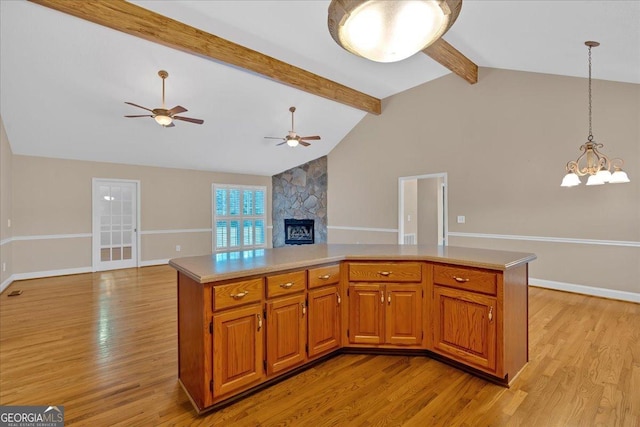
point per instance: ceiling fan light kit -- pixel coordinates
(390, 31)
(162, 116)
(592, 162)
(163, 120)
(293, 139)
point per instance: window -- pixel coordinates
(239, 219)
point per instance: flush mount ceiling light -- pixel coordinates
(390, 31)
(592, 162)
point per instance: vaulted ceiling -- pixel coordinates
(64, 80)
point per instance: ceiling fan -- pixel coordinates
(293, 139)
(163, 116)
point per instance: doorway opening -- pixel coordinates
(422, 210)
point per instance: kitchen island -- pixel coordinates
(250, 318)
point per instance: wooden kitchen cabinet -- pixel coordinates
(240, 327)
(238, 342)
(464, 326)
(403, 314)
(323, 320)
(286, 318)
(385, 314)
(366, 313)
(385, 303)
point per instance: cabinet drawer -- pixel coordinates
(385, 272)
(287, 283)
(237, 293)
(466, 278)
(323, 276)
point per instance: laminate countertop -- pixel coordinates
(234, 265)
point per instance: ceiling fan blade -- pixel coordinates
(304, 144)
(170, 125)
(283, 142)
(311, 138)
(273, 137)
(177, 110)
(141, 115)
(139, 106)
(189, 119)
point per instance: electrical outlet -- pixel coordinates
(178, 248)
(461, 219)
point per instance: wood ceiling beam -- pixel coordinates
(137, 21)
(447, 55)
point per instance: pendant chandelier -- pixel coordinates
(592, 162)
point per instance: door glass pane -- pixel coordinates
(126, 252)
(116, 207)
(105, 254)
(127, 208)
(116, 254)
(126, 237)
(116, 238)
(105, 207)
(104, 239)
(234, 231)
(116, 194)
(127, 194)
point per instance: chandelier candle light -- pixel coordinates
(592, 162)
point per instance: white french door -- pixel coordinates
(115, 224)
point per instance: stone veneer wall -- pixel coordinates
(301, 193)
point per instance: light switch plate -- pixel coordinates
(461, 219)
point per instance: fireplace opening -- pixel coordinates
(298, 231)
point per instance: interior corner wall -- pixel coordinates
(52, 212)
(504, 143)
(301, 193)
(6, 243)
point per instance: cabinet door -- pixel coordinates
(238, 349)
(366, 313)
(465, 326)
(324, 320)
(403, 325)
(286, 333)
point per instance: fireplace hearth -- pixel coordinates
(299, 231)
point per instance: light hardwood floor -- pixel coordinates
(103, 345)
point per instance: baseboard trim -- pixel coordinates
(585, 290)
(151, 262)
(4, 285)
(51, 273)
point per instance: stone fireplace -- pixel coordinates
(299, 231)
(300, 192)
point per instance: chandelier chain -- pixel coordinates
(590, 138)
